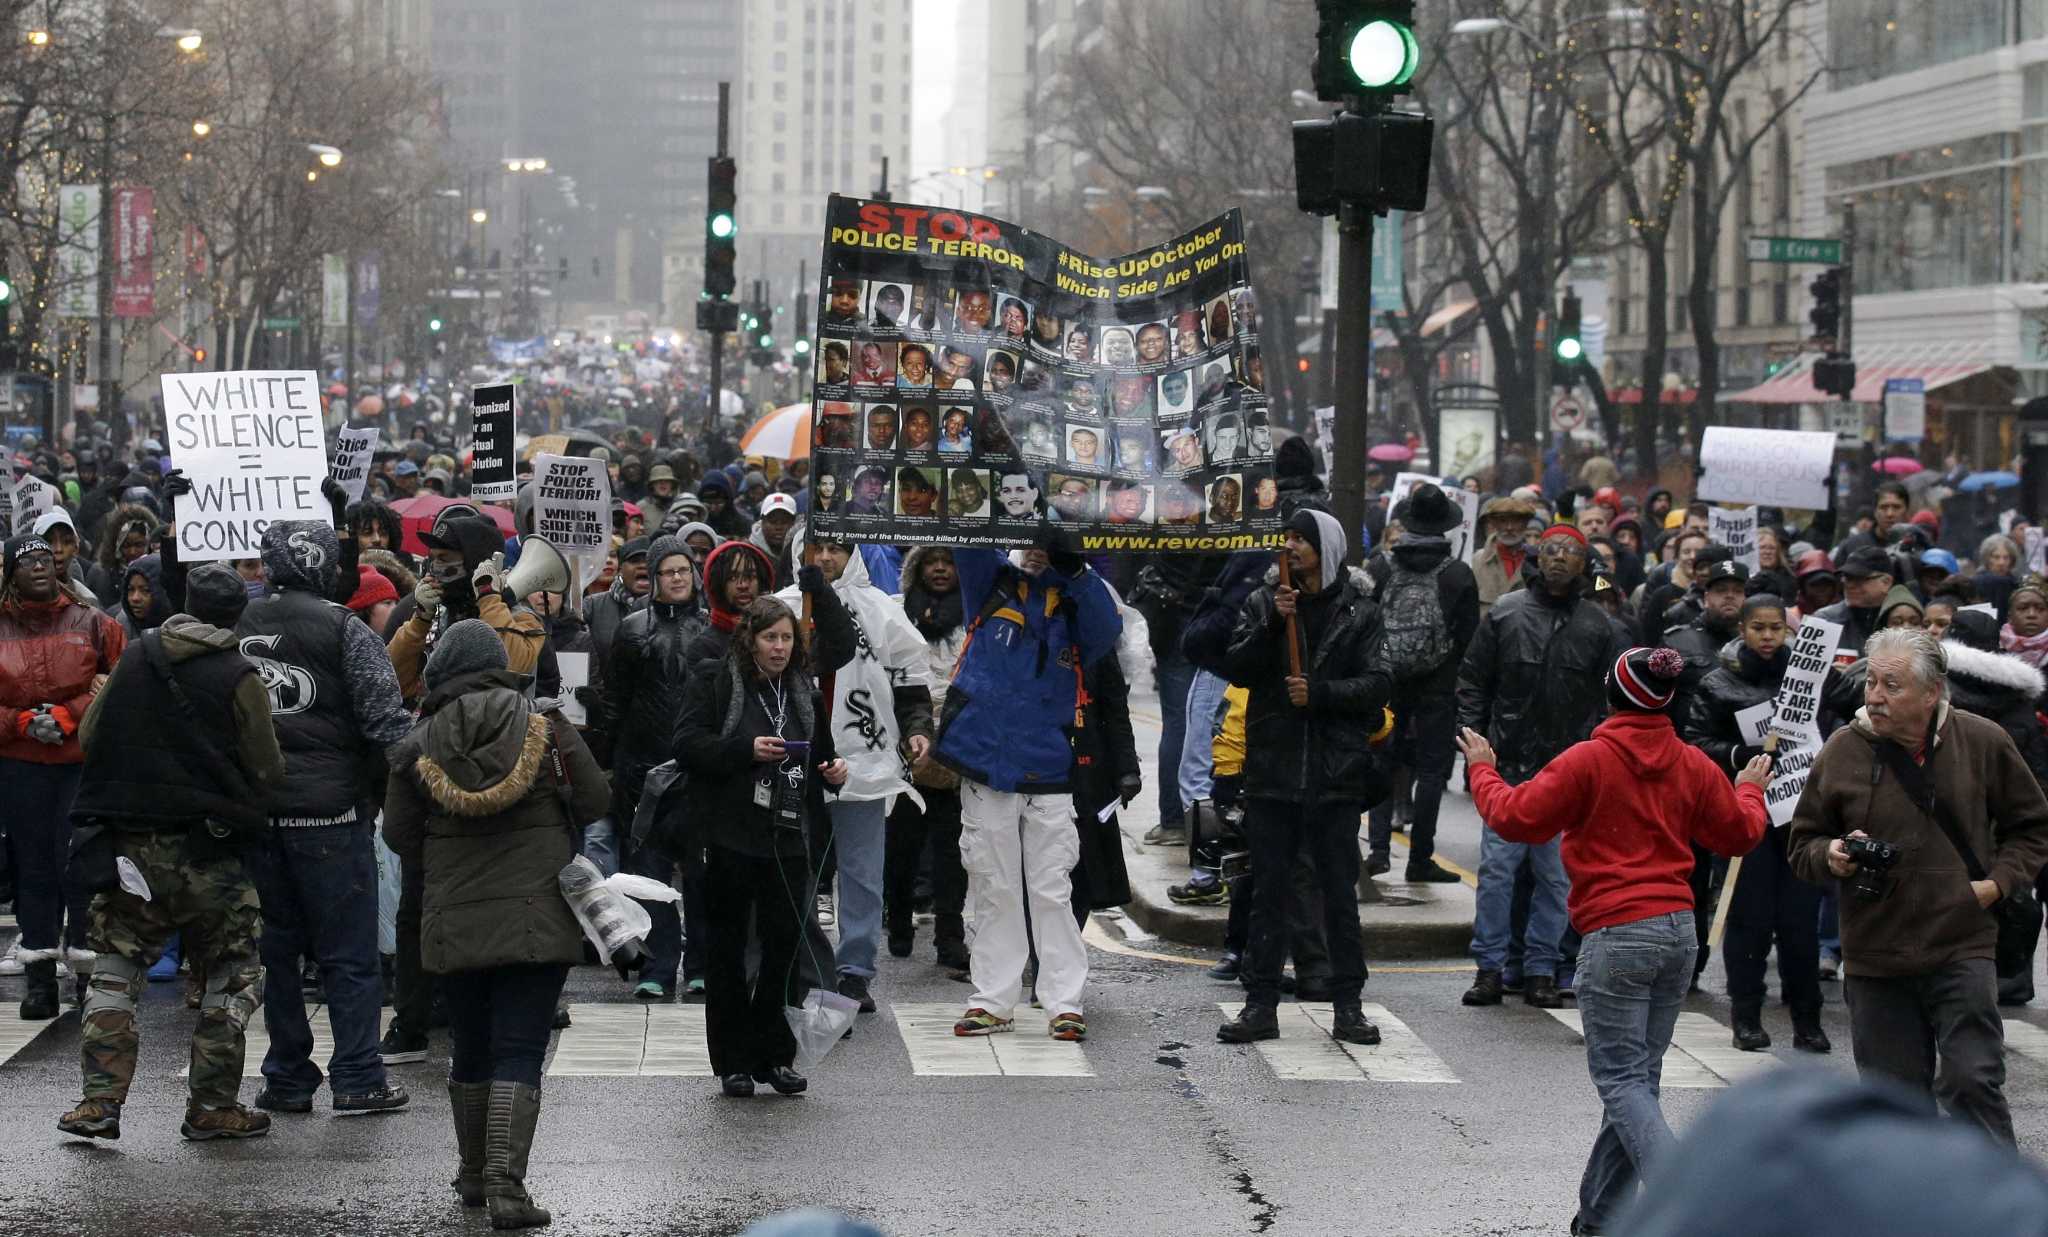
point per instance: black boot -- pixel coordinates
(1485, 990)
(470, 1103)
(508, 1141)
(1353, 1027)
(1807, 1035)
(1541, 991)
(1750, 1035)
(1253, 1022)
(39, 991)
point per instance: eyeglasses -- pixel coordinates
(1553, 548)
(675, 573)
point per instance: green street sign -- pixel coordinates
(1795, 249)
(280, 324)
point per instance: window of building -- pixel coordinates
(1934, 217)
(1872, 39)
(781, 152)
(782, 92)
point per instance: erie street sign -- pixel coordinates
(280, 324)
(1795, 249)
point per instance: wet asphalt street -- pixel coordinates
(1463, 1122)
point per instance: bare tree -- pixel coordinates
(1193, 97)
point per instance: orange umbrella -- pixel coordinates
(784, 434)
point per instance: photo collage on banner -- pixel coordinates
(975, 381)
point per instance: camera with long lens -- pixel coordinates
(1873, 860)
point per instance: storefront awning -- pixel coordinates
(1937, 365)
(1634, 395)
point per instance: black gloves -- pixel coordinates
(1128, 788)
(337, 498)
(811, 579)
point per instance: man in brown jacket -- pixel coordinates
(1498, 565)
(1920, 978)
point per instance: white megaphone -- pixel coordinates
(541, 569)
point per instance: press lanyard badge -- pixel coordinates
(764, 792)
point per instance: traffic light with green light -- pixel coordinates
(1566, 344)
(721, 228)
(1365, 48)
(6, 293)
(435, 323)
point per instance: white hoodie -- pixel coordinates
(892, 655)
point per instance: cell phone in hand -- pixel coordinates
(798, 750)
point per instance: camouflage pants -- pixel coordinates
(213, 903)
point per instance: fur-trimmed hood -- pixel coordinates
(1993, 670)
(1358, 577)
(481, 747)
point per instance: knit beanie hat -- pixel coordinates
(466, 647)
(371, 588)
(1644, 680)
(215, 593)
(1292, 458)
(21, 547)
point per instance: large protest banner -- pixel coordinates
(572, 504)
(493, 476)
(253, 446)
(977, 382)
(354, 449)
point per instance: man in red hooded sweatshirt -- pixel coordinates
(1631, 801)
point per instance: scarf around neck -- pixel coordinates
(2032, 650)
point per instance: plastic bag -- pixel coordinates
(819, 1023)
(615, 924)
(390, 886)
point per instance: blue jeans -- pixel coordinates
(665, 942)
(319, 891)
(1632, 980)
(860, 835)
(38, 811)
(1498, 861)
(499, 1021)
(1830, 925)
(601, 845)
(1174, 674)
(1204, 715)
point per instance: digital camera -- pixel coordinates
(1873, 860)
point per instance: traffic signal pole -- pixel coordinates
(717, 334)
(1353, 370)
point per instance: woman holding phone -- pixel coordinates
(753, 739)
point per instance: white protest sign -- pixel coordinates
(1782, 468)
(353, 450)
(1788, 780)
(575, 669)
(572, 504)
(253, 446)
(1754, 722)
(1464, 538)
(1796, 716)
(6, 499)
(1735, 528)
(32, 497)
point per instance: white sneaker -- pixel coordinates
(827, 916)
(10, 964)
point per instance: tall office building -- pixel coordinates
(824, 98)
(621, 100)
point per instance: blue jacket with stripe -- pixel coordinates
(1012, 707)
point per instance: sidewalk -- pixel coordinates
(1407, 922)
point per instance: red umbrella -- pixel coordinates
(416, 515)
(1898, 465)
(1391, 453)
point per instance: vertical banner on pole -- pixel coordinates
(78, 251)
(135, 252)
(333, 289)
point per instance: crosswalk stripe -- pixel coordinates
(1680, 1070)
(2027, 1040)
(1306, 1053)
(1026, 1052)
(614, 1040)
(16, 1035)
(256, 1041)
(1712, 1045)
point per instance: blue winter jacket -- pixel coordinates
(1010, 711)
